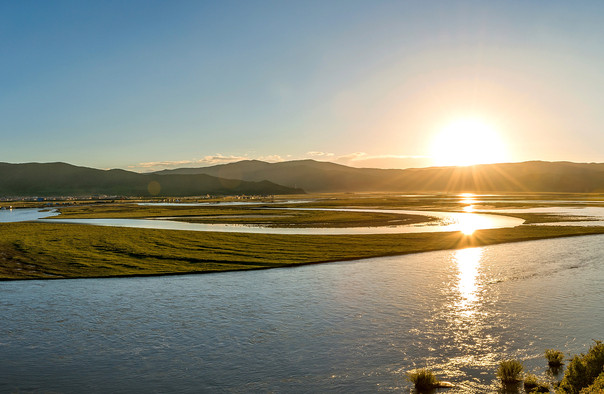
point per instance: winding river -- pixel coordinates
(24, 214)
(354, 326)
(447, 221)
(343, 327)
(466, 222)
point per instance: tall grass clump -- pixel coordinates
(510, 371)
(554, 357)
(583, 370)
(597, 387)
(532, 384)
(423, 379)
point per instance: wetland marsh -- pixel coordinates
(266, 234)
(454, 301)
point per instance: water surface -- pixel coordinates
(339, 327)
(447, 221)
(24, 214)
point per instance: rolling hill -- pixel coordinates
(61, 179)
(293, 177)
(316, 176)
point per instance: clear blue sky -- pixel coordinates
(368, 83)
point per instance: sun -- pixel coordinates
(467, 142)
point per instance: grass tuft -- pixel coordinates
(554, 357)
(597, 387)
(423, 379)
(583, 370)
(510, 371)
(532, 384)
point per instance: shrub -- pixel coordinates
(583, 370)
(534, 385)
(554, 357)
(509, 371)
(597, 387)
(423, 379)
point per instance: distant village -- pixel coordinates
(54, 201)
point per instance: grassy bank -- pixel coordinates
(48, 250)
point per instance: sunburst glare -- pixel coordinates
(469, 223)
(467, 142)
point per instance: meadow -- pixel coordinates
(34, 250)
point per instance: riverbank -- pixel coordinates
(31, 250)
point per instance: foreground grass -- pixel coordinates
(533, 384)
(423, 379)
(510, 371)
(34, 250)
(555, 358)
(585, 372)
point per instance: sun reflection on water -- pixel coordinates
(469, 331)
(468, 208)
(468, 223)
(467, 198)
(468, 262)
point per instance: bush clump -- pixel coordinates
(583, 370)
(554, 357)
(532, 384)
(423, 379)
(510, 371)
(597, 387)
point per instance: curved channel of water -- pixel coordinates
(24, 214)
(594, 216)
(466, 222)
(447, 221)
(343, 327)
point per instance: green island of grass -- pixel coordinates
(32, 250)
(265, 215)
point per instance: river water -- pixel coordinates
(24, 214)
(341, 327)
(436, 221)
(446, 221)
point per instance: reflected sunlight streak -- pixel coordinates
(469, 223)
(468, 262)
(467, 198)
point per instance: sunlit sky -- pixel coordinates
(145, 85)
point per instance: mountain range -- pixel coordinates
(299, 176)
(316, 176)
(61, 179)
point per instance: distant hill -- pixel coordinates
(292, 177)
(316, 176)
(61, 179)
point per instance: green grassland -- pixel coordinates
(33, 250)
(47, 250)
(275, 217)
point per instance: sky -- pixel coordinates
(146, 85)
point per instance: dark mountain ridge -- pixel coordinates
(316, 176)
(61, 179)
(257, 177)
